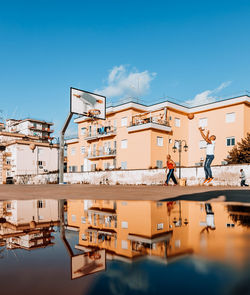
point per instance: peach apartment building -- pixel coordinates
(161, 230)
(136, 136)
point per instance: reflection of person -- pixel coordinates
(243, 178)
(210, 224)
(210, 140)
(171, 168)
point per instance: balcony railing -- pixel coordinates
(109, 153)
(100, 134)
(149, 123)
(39, 128)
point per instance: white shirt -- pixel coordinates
(210, 147)
(242, 175)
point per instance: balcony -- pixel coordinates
(109, 153)
(100, 134)
(139, 124)
(39, 128)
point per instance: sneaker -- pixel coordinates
(206, 180)
(210, 179)
(165, 184)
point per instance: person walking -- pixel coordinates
(210, 140)
(243, 178)
(171, 168)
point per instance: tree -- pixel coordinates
(241, 152)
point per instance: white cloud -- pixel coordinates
(207, 96)
(123, 82)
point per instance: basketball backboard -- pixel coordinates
(87, 104)
(87, 263)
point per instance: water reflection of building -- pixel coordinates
(130, 229)
(28, 224)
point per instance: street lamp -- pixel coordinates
(185, 147)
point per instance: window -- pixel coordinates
(39, 163)
(115, 126)
(82, 168)
(159, 226)
(84, 237)
(124, 143)
(230, 141)
(159, 141)
(83, 149)
(177, 122)
(124, 224)
(159, 164)
(106, 165)
(73, 218)
(124, 244)
(124, 165)
(203, 144)
(40, 204)
(230, 117)
(73, 151)
(124, 121)
(83, 131)
(83, 219)
(72, 168)
(177, 144)
(203, 122)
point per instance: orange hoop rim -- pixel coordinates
(94, 112)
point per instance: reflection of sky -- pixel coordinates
(181, 277)
(48, 272)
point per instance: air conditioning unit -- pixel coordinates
(224, 162)
(40, 167)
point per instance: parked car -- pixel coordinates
(9, 180)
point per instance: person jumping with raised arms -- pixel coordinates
(210, 140)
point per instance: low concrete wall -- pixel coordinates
(223, 175)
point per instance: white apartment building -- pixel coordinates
(30, 127)
(26, 149)
(28, 224)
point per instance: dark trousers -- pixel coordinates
(207, 168)
(243, 183)
(171, 175)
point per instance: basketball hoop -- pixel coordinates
(93, 113)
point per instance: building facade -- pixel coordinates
(161, 230)
(28, 224)
(135, 136)
(30, 127)
(23, 151)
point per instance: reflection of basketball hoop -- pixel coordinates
(94, 255)
(93, 113)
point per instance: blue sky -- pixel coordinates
(194, 51)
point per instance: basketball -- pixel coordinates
(190, 116)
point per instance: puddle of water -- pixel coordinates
(124, 247)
